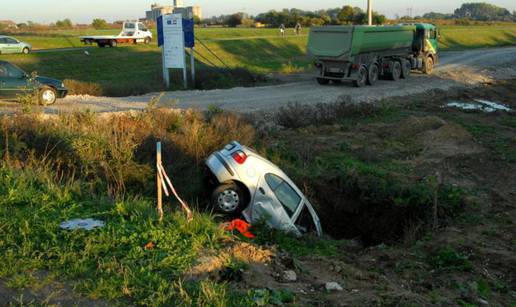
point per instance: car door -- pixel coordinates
(13, 46)
(276, 202)
(13, 82)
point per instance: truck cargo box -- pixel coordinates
(341, 42)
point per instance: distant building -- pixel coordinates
(189, 11)
(158, 10)
(177, 8)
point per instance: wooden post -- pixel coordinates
(159, 183)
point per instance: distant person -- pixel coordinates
(282, 29)
(297, 29)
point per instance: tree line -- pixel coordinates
(476, 11)
(290, 17)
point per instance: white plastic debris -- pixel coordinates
(86, 224)
(481, 105)
(333, 286)
(289, 276)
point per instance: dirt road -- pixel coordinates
(456, 69)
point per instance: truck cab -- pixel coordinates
(136, 29)
(427, 42)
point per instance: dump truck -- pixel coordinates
(364, 54)
(133, 32)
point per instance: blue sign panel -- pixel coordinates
(188, 29)
(161, 39)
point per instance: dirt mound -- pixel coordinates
(212, 265)
(448, 140)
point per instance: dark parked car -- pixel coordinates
(14, 82)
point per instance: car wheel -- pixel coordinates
(147, 40)
(228, 199)
(361, 77)
(47, 96)
(428, 66)
(113, 44)
(26, 50)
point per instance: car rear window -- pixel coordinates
(287, 196)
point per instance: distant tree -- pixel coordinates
(482, 11)
(434, 15)
(64, 24)
(197, 20)
(234, 20)
(345, 16)
(98, 23)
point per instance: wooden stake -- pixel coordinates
(158, 181)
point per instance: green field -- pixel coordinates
(136, 69)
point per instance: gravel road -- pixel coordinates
(456, 69)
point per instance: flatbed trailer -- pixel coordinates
(133, 32)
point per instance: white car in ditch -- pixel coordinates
(250, 185)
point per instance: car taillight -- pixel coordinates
(239, 157)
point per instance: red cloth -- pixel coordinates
(241, 226)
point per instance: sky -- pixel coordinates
(83, 11)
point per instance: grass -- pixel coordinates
(132, 70)
(81, 165)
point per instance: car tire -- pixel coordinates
(113, 44)
(47, 96)
(26, 50)
(228, 199)
(147, 40)
(361, 77)
(428, 66)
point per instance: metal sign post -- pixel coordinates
(171, 38)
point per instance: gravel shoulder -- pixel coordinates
(456, 69)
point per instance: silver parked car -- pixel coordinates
(252, 185)
(12, 45)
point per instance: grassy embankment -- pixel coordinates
(248, 52)
(370, 171)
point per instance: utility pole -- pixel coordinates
(370, 12)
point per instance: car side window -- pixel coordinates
(287, 196)
(2, 40)
(11, 41)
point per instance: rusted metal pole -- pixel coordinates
(158, 181)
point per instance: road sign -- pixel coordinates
(173, 41)
(174, 34)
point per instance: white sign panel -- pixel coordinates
(174, 41)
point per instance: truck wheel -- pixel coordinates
(47, 96)
(361, 78)
(323, 81)
(406, 67)
(228, 199)
(428, 66)
(396, 71)
(373, 73)
(113, 44)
